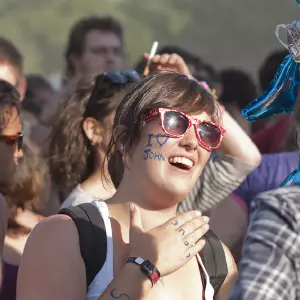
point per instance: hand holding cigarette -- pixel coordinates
(150, 56)
(169, 62)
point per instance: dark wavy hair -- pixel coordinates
(71, 155)
(28, 187)
(159, 90)
(9, 98)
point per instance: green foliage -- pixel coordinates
(225, 32)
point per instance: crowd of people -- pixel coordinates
(121, 185)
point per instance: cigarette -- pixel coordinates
(152, 53)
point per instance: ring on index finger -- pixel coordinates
(175, 222)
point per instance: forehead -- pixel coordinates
(201, 116)
(8, 74)
(97, 39)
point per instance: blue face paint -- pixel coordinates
(160, 138)
(148, 154)
(149, 140)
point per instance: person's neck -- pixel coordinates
(99, 186)
(151, 215)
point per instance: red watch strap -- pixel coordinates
(155, 277)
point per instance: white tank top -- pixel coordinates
(106, 275)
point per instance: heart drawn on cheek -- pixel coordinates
(161, 139)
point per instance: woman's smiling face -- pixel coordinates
(170, 166)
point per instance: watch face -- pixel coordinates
(147, 265)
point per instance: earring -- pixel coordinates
(122, 148)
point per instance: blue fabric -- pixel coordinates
(269, 175)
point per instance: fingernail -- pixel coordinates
(198, 213)
(203, 242)
(206, 226)
(131, 207)
(206, 219)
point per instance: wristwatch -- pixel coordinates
(147, 268)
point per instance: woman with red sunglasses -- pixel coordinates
(163, 130)
(10, 148)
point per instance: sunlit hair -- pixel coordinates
(9, 98)
(160, 90)
(10, 55)
(28, 187)
(71, 156)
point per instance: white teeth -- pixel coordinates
(181, 160)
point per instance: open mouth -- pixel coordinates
(182, 163)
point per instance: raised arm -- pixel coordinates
(237, 143)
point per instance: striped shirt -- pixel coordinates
(221, 176)
(270, 265)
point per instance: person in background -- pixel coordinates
(238, 90)
(269, 267)
(80, 136)
(95, 45)
(11, 66)
(10, 149)
(12, 71)
(235, 210)
(40, 99)
(40, 102)
(28, 188)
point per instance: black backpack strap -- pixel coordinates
(92, 237)
(214, 260)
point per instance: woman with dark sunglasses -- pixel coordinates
(161, 137)
(10, 148)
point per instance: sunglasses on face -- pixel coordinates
(13, 140)
(175, 124)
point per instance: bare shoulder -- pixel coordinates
(53, 246)
(54, 225)
(229, 282)
(58, 230)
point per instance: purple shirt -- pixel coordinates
(271, 172)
